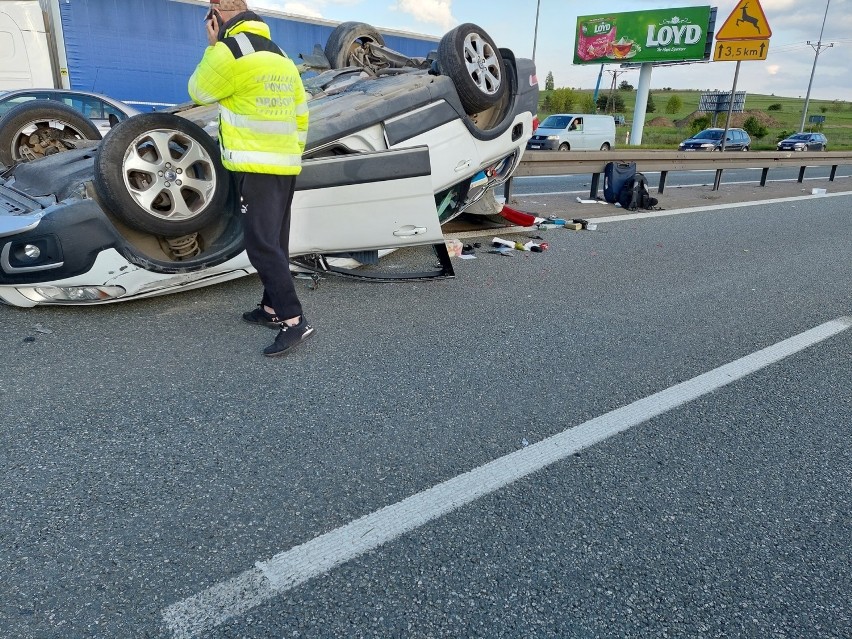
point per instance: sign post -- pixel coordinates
(743, 36)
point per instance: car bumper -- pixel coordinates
(545, 145)
(112, 278)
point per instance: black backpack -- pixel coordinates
(615, 175)
(634, 194)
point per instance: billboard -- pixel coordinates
(655, 35)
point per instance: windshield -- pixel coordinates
(800, 136)
(709, 134)
(555, 122)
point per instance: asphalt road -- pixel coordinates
(151, 457)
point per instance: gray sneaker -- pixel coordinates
(288, 337)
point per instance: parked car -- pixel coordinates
(99, 110)
(391, 155)
(711, 140)
(804, 142)
(574, 132)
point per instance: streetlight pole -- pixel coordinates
(535, 34)
(813, 70)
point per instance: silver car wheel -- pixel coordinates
(169, 174)
(483, 64)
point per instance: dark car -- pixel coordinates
(804, 142)
(711, 140)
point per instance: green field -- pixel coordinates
(667, 134)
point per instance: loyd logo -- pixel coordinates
(674, 33)
(603, 27)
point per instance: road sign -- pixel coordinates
(730, 50)
(746, 22)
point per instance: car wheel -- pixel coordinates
(161, 174)
(823, 148)
(605, 146)
(470, 58)
(745, 148)
(564, 147)
(39, 128)
(345, 45)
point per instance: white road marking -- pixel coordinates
(201, 612)
(625, 217)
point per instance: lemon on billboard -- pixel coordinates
(656, 35)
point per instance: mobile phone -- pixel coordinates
(212, 13)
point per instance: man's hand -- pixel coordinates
(212, 31)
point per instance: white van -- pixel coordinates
(574, 132)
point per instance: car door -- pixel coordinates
(365, 201)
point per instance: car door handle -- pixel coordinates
(408, 231)
(461, 166)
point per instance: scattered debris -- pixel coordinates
(45, 331)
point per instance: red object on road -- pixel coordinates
(518, 217)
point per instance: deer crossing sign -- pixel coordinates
(746, 22)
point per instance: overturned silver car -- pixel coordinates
(396, 147)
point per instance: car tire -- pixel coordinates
(745, 148)
(141, 175)
(52, 120)
(564, 147)
(468, 55)
(605, 146)
(347, 38)
(823, 148)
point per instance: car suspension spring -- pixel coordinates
(184, 246)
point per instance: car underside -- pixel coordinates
(392, 153)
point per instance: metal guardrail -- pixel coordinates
(538, 163)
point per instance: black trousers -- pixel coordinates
(266, 201)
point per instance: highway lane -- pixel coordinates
(579, 184)
(150, 454)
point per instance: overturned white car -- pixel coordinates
(396, 147)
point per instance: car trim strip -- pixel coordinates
(363, 168)
(419, 121)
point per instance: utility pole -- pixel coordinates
(819, 45)
(535, 33)
(609, 103)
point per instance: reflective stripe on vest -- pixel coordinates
(261, 157)
(275, 127)
(245, 43)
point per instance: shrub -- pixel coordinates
(699, 124)
(774, 107)
(754, 128)
(783, 135)
(587, 103)
(562, 100)
(652, 107)
(614, 104)
(674, 104)
(548, 83)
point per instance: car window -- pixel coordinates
(555, 122)
(91, 107)
(710, 135)
(7, 104)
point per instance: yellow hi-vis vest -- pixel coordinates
(263, 111)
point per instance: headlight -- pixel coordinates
(72, 294)
(552, 137)
(798, 146)
(708, 146)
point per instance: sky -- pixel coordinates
(512, 23)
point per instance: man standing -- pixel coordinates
(263, 126)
